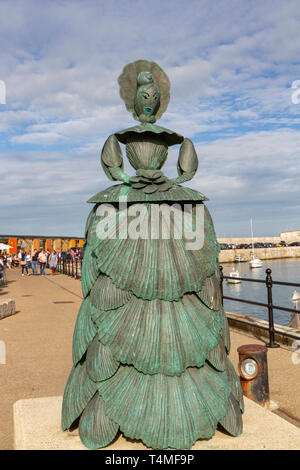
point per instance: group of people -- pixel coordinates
(36, 261)
(38, 258)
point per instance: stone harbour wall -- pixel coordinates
(288, 237)
(228, 256)
(248, 240)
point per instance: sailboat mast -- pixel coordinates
(252, 239)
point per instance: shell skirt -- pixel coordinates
(151, 341)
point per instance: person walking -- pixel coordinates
(53, 262)
(34, 262)
(3, 270)
(58, 266)
(28, 263)
(43, 261)
(22, 257)
(9, 260)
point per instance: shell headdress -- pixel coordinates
(128, 81)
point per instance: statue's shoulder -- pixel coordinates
(170, 137)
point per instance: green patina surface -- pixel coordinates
(151, 341)
(170, 137)
(174, 194)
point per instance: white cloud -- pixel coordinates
(230, 64)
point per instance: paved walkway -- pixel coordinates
(39, 340)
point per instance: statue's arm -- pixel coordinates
(187, 162)
(112, 160)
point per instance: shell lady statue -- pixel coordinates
(151, 340)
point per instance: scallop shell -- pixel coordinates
(78, 392)
(154, 268)
(106, 296)
(100, 363)
(217, 357)
(236, 388)
(146, 155)
(232, 422)
(84, 332)
(166, 411)
(159, 336)
(210, 293)
(225, 333)
(96, 430)
(90, 219)
(89, 271)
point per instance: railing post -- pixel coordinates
(72, 268)
(269, 284)
(221, 282)
(76, 268)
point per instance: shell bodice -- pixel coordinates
(148, 154)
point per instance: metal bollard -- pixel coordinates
(253, 369)
(269, 284)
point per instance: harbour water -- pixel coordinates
(287, 270)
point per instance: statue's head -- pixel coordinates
(145, 88)
(147, 98)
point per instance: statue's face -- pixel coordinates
(147, 100)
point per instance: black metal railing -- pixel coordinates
(70, 267)
(269, 305)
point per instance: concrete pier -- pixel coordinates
(37, 427)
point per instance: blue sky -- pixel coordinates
(231, 65)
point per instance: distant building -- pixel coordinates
(31, 242)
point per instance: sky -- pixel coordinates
(232, 67)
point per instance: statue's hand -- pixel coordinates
(119, 175)
(183, 178)
(150, 181)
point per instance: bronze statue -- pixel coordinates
(151, 340)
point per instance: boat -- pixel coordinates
(239, 259)
(255, 262)
(233, 275)
(295, 296)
